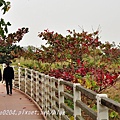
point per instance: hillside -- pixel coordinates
(113, 92)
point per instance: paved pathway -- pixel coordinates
(17, 107)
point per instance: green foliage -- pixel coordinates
(90, 83)
(5, 6)
(69, 103)
(4, 27)
(114, 115)
(94, 107)
(8, 49)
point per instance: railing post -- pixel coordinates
(77, 96)
(4, 65)
(25, 80)
(52, 91)
(52, 83)
(19, 77)
(48, 90)
(42, 90)
(102, 111)
(31, 83)
(61, 98)
(14, 78)
(37, 87)
(46, 95)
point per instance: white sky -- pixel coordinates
(61, 15)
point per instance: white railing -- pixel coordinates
(57, 103)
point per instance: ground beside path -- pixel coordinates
(17, 107)
(113, 92)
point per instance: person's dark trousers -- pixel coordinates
(9, 86)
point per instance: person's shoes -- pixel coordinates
(10, 94)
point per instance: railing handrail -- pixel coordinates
(49, 93)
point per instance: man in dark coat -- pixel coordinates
(8, 75)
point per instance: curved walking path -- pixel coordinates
(17, 107)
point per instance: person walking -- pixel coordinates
(8, 76)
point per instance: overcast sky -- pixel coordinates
(61, 15)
